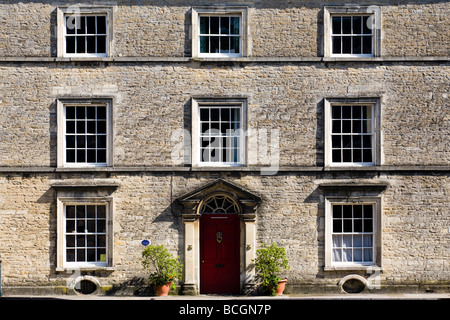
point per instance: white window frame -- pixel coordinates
(376, 240)
(376, 136)
(373, 11)
(75, 11)
(218, 12)
(62, 202)
(61, 145)
(196, 130)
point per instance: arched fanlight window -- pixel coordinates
(219, 203)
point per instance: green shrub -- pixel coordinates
(167, 267)
(269, 262)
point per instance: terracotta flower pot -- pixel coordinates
(281, 286)
(163, 290)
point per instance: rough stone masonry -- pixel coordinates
(287, 82)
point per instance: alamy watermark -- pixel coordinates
(259, 147)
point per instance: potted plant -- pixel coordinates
(167, 268)
(269, 262)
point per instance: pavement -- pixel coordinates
(372, 296)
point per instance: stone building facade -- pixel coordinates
(323, 126)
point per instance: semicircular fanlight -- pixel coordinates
(219, 204)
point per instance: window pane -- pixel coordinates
(81, 226)
(367, 240)
(70, 226)
(346, 25)
(101, 225)
(81, 212)
(204, 25)
(90, 24)
(91, 156)
(101, 44)
(91, 226)
(90, 42)
(348, 225)
(336, 25)
(81, 255)
(337, 225)
(357, 241)
(337, 211)
(357, 255)
(70, 44)
(357, 225)
(336, 141)
(101, 127)
(70, 241)
(91, 255)
(91, 127)
(347, 211)
(80, 112)
(347, 45)
(357, 211)
(357, 155)
(357, 24)
(70, 255)
(70, 141)
(346, 141)
(336, 126)
(356, 45)
(346, 112)
(356, 141)
(101, 212)
(101, 156)
(367, 25)
(368, 255)
(80, 25)
(101, 113)
(224, 25)
(367, 44)
(336, 112)
(101, 25)
(70, 211)
(81, 156)
(367, 155)
(235, 45)
(234, 25)
(336, 44)
(70, 24)
(101, 141)
(81, 44)
(214, 25)
(81, 241)
(336, 156)
(204, 44)
(90, 211)
(70, 156)
(214, 45)
(337, 241)
(81, 141)
(337, 255)
(368, 225)
(346, 155)
(90, 113)
(347, 257)
(224, 45)
(368, 211)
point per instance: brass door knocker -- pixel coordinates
(219, 237)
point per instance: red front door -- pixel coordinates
(219, 253)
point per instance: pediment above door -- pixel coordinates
(192, 201)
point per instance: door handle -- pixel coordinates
(219, 237)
